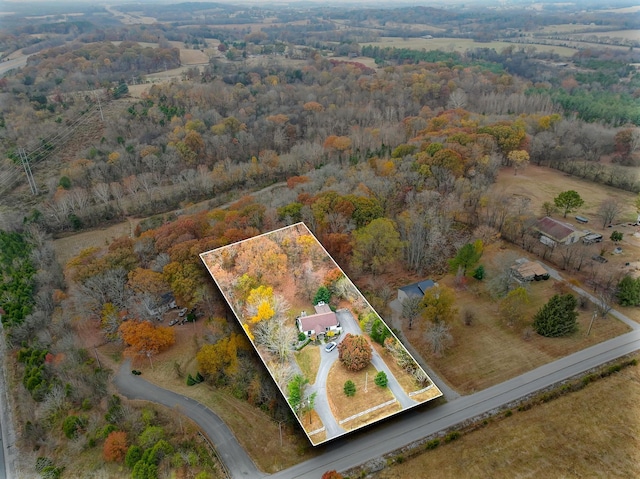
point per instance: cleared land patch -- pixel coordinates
(461, 45)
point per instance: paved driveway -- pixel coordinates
(231, 453)
(319, 387)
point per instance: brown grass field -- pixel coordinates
(308, 359)
(462, 44)
(489, 351)
(344, 407)
(586, 434)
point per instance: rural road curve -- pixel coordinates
(388, 436)
(231, 453)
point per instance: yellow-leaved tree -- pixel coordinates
(221, 358)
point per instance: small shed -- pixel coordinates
(415, 289)
(525, 270)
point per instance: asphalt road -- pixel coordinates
(413, 425)
(424, 421)
(12, 64)
(231, 453)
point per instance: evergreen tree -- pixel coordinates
(557, 317)
(381, 379)
(349, 388)
(467, 257)
(568, 201)
(629, 291)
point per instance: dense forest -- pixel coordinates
(403, 150)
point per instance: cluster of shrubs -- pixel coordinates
(197, 380)
(34, 377)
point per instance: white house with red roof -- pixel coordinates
(320, 323)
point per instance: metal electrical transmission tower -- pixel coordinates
(27, 169)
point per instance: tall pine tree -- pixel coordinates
(557, 317)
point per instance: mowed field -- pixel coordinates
(462, 45)
(589, 433)
(541, 184)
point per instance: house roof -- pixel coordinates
(419, 288)
(530, 269)
(318, 322)
(322, 308)
(555, 229)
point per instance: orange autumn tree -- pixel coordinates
(115, 446)
(145, 339)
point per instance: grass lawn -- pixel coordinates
(308, 358)
(573, 436)
(344, 407)
(541, 184)
(489, 351)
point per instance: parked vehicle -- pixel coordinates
(592, 238)
(135, 372)
(330, 346)
(182, 312)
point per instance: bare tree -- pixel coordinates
(608, 211)
(411, 308)
(276, 336)
(101, 193)
(457, 99)
(439, 337)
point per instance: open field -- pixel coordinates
(573, 436)
(461, 45)
(567, 28)
(69, 246)
(624, 34)
(541, 184)
(633, 9)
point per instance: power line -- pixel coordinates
(27, 170)
(48, 145)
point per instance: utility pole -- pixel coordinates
(100, 108)
(593, 317)
(27, 169)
